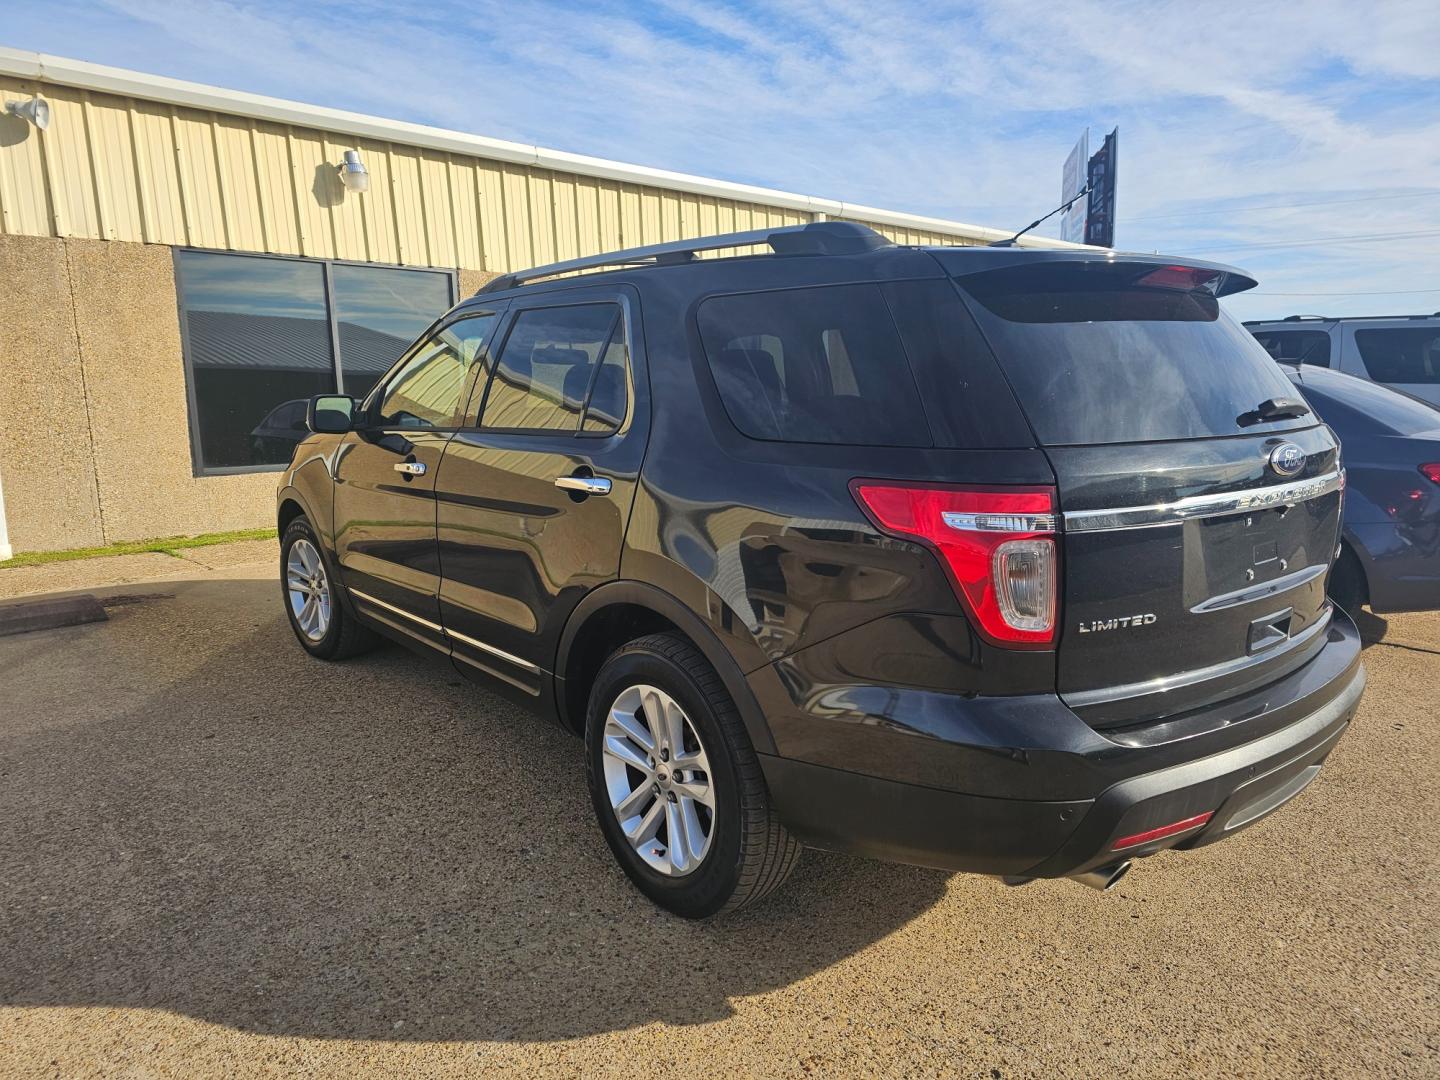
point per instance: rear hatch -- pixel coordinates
(1199, 498)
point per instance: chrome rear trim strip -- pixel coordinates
(524, 665)
(1202, 506)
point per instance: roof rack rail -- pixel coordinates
(816, 238)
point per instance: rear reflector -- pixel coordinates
(997, 545)
(1162, 832)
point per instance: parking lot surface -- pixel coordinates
(221, 857)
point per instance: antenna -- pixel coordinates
(1059, 209)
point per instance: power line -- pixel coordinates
(1357, 238)
(1377, 292)
(1286, 206)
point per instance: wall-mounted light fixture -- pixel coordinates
(353, 173)
(35, 111)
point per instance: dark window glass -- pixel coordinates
(1296, 346)
(1408, 355)
(258, 336)
(546, 367)
(610, 394)
(1095, 359)
(1354, 406)
(822, 365)
(259, 343)
(378, 313)
(425, 392)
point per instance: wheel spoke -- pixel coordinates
(632, 804)
(649, 824)
(626, 752)
(679, 850)
(630, 726)
(693, 831)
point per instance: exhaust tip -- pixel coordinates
(1104, 878)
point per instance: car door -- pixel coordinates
(1403, 354)
(534, 494)
(385, 473)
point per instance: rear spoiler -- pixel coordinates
(1217, 278)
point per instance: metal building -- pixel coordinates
(182, 264)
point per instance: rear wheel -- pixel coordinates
(316, 613)
(676, 785)
(1347, 585)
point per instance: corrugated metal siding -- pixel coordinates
(115, 168)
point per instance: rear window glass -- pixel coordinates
(1409, 355)
(1356, 407)
(1096, 359)
(1296, 346)
(816, 365)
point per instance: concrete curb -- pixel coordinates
(48, 614)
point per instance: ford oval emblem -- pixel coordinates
(1287, 459)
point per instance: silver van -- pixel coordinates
(1398, 351)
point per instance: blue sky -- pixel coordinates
(1300, 141)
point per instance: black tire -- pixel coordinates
(1347, 586)
(344, 637)
(750, 852)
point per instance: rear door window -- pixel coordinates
(551, 360)
(1094, 357)
(1296, 346)
(813, 365)
(1401, 355)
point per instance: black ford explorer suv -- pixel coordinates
(996, 560)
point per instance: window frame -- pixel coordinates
(474, 414)
(197, 463)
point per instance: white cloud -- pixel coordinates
(957, 110)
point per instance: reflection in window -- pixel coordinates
(426, 391)
(545, 368)
(378, 313)
(258, 337)
(258, 343)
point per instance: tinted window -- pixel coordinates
(547, 365)
(1408, 355)
(425, 392)
(1296, 346)
(609, 396)
(821, 365)
(257, 335)
(1356, 407)
(1095, 359)
(378, 313)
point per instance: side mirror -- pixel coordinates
(331, 414)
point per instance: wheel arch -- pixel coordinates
(621, 611)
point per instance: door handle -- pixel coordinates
(410, 468)
(586, 485)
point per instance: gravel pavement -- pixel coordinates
(221, 857)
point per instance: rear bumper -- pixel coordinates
(1134, 787)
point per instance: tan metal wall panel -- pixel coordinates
(117, 168)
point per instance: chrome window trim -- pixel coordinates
(999, 522)
(491, 649)
(1202, 506)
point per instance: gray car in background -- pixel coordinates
(1401, 352)
(1390, 546)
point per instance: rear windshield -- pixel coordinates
(1096, 358)
(818, 365)
(1357, 407)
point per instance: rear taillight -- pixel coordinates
(997, 544)
(1431, 471)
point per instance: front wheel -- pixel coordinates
(316, 612)
(676, 785)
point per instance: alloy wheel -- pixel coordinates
(657, 776)
(308, 589)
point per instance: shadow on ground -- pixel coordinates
(198, 817)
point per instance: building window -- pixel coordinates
(262, 334)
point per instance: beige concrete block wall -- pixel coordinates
(96, 445)
(46, 462)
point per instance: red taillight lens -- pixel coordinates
(1163, 831)
(998, 545)
(1431, 471)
